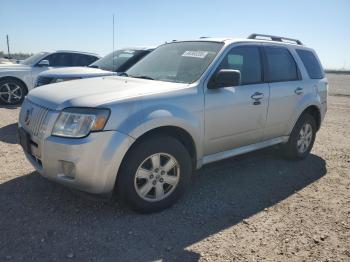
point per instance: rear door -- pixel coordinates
(286, 89)
(235, 116)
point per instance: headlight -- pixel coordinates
(79, 122)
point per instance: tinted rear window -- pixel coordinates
(83, 60)
(311, 64)
(281, 66)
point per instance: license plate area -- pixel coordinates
(24, 140)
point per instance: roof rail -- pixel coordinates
(74, 51)
(275, 38)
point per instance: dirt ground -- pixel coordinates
(255, 207)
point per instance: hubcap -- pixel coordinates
(10, 93)
(304, 139)
(157, 177)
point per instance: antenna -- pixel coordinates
(113, 44)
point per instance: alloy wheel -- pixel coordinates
(157, 177)
(304, 138)
(10, 93)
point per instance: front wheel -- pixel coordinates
(154, 174)
(12, 92)
(302, 138)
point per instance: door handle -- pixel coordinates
(298, 91)
(257, 96)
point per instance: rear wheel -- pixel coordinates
(302, 138)
(154, 174)
(12, 92)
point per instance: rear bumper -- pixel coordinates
(88, 164)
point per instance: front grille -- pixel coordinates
(32, 117)
(42, 80)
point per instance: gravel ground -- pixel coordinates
(250, 208)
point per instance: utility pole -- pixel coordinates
(113, 42)
(8, 46)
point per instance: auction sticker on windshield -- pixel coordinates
(195, 54)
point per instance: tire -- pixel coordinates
(12, 91)
(142, 178)
(299, 145)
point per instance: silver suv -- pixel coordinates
(186, 104)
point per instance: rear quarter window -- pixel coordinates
(311, 64)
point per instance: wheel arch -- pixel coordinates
(314, 111)
(178, 133)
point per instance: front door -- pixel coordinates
(236, 116)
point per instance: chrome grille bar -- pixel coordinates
(37, 117)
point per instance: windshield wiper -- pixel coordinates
(143, 77)
(93, 66)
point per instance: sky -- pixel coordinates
(86, 25)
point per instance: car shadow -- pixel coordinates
(43, 221)
(8, 134)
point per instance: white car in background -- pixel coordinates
(112, 64)
(5, 61)
(17, 79)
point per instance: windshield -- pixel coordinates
(34, 58)
(180, 62)
(115, 60)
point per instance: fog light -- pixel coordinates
(68, 169)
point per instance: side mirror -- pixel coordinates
(225, 78)
(44, 62)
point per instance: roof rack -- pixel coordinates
(275, 38)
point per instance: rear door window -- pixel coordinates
(281, 66)
(311, 64)
(83, 60)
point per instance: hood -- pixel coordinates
(13, 67)
(75, 72)
(94, 92)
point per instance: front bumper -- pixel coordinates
(88, 164)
